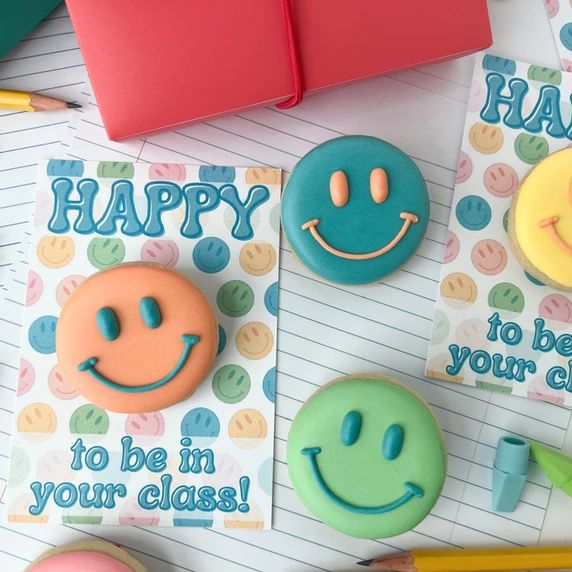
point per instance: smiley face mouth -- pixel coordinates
(412, 490)
(90, 363)
(550, 225)
(408, 220)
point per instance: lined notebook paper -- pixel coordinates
(47, 61)
(326, 331)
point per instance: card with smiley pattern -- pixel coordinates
(127, 258)
(497, 325)
(560, 15)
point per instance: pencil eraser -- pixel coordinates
(509, 473)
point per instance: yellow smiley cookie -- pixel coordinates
(254, 340)
(540, 221)
(257, 258)
(55, 251)
(37, 421)
(486, 138)
(458, 289)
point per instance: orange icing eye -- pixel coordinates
(378, 185)
(339, 189)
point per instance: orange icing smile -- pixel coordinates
(311, 225)
(550, 225)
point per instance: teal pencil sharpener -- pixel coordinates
(509, 473)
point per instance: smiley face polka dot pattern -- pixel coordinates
(231, 412)
(480, 275)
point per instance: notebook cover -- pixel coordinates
(19, 18)
(157, 67)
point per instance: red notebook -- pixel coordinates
(158, 64)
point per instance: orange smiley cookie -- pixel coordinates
(135, 338)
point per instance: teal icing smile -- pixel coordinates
(412, 490)
(90, 363)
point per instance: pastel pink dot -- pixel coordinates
(59, 386)
(567, 65)
(501, 180)
(34, 289)
(164, 252)
(477, 97)
(557, 308)
(26, 377)
(67, 286)
(145, 424)
(552, 7)
(43, 208)
(489, 257)
(472, 333)
(452, 247)
(465, 167)
(168, 171)
(131, 514)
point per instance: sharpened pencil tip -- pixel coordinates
(365, 562)
(72, 105)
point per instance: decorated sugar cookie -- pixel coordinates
(355, 209)
(540, 221)
(366, 456)
(135, 338)
(86, 555)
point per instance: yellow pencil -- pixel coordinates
(27, 101)
(476, 560)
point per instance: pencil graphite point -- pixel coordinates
(72, 105)
(365, 562)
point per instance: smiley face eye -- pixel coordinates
(150, 313)
(351, 427)
(378, 185)
(392, 442)
(107, 323)
(339, 189)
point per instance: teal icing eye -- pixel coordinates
(107, 323)
(392, 442)
(150, 312)
(351, 427)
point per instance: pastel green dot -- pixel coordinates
(545, 75)
(506, 296)
(19, 467)
(531, 148)
(115, 170)
(231, 383)
(105, 252)
(89, 420)
(366, 456)
(440, 328)
(235, 298)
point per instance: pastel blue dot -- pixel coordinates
(221, 340)
(473, 212)
(150, 312)
(200, 422)
(566, 36)
(42, 334)
(216, 174)
(107, 323)
(265, 475)
(58, 168)
(498, 64)
(351, 427)
(392, 442)
(269, 384)
(211, 255)
(271, 299)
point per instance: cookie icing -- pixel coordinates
(541, 220)
(355, 209)
(135, 338)
(366, 456)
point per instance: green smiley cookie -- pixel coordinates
(235, 298)
(530, 148)
(105, 252)
(231, 383)
(89, 420)
(115, 170)
(506, 296)
(366, 456)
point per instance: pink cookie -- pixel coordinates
(164, 252)
(26, 376)
(465, 168)
(500, 180)
(556, 308)
(34, 289)
(59, 386)
(452, 248)
(167, 171)
(67, 286)
(131, 514)
(489, 257)
(145, 424)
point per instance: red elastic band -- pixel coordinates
(295, 64)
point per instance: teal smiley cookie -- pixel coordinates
(366, 456)
(231, 383)
(531, 148)
(235, 298)
(355, 209)
(89, 420)
(105, 252)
